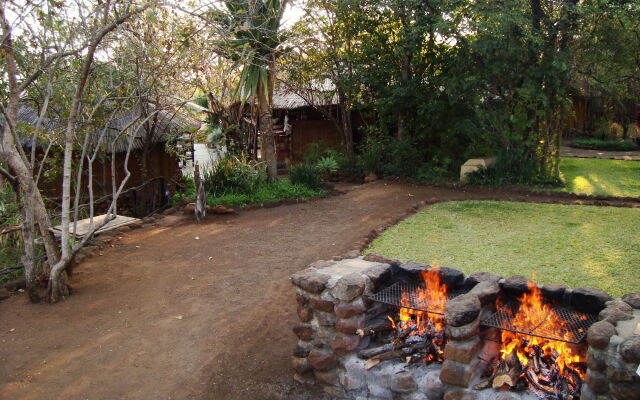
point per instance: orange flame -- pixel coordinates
(533, 311)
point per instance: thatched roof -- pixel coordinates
(169, 124)
(321, 94)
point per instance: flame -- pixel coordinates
(433, 293)
(533, 311)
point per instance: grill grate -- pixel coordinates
(575, 329)
(393, 294)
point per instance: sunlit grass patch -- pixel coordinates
(573, 245)
(600, 177)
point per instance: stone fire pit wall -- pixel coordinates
(332, 306)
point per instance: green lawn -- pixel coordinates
(574, 245)
(601, 177)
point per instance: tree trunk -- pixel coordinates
(268, 144)
(28, 258)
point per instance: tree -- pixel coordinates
(251, 36)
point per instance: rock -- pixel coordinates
(349, 287)
(301, 299)
(380, 275)
(432, 386)
(351, 254)
(477, 277)
(327, 377)
(374, 257)
(271, 204)
(599, 334)
(554, 291)
(310, 280)
(322, 360)
(351, 325)
(624, 390)
(304, 379)
(617, 310)
(325, 318)
(463, 332)
(304, 313)
(487, 291)
(455, 373)
(516, 285)
(462, 352)
(403, 383)
(302, 349)
(462, 310)
(321, 305)
(589, 300)
(148, 220)
(630, 350)
(304, 332)
(597, 382)
(451, 277)
(220, 210)
(595, 360)
(301, 365)
(342, 344)
(633, 299)
(350, 382)
(414, 266)
(349, 310)
(189, 209)
(506, 396)
(371, 178)
(4, 293)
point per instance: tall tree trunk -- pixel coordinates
(268, 144)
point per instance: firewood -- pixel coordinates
(376, 326)
(535, 384)
(371, 363)
(374, 351)
(485, 384)
(510, 378)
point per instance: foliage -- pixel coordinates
(233, 175)
(268, 191)
(309, 175)
(600, 177)
(327, 164)
(600, 144)
(9, 213)
(573, 245)
(511, 168)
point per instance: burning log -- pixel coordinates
(512, 374)
(532, 380)
(376, 326)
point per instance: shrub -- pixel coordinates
(307, 175)
(599, 144)
(511, 168)
(233, 175)
(327, 164)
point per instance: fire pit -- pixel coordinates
(388, 330)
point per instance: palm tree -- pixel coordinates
(255, 37)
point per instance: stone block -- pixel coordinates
(630, 349)
(301, 298)
(516, 285)
(554, 291)
(351, 325)
(589, 300)
(459, 394)
(302, 349)
(597, 382)
(325, 319)
(463, 352)
(462, 310)
(304, 313)
(327, 377)
(599, 334)
(304, 379)
(321, 305)
(345, 310)
(459, 374)
(478, 277)
(304, 332)
(616, 310)
(474, 164)
(310, 280)
(451, 277)
(351, 382)
(402, 382)
(301, 365)
(596, 360)
(322, 360)
(349, 287)
(624, 390)
(432, 386)
(463, 332)
(378, 258)
(487, 291)
(633, 299)
(343, 344)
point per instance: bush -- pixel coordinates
(233, 175)
(269, 191)
(327, 164)
(511, 168)
(599, 144)
(307, 175)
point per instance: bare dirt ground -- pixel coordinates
(165, 316)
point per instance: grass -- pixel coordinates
(274, 191)
(574, 245)
(270, 191)
(600, 177)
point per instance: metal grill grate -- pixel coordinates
(393, 295)
(574, 330)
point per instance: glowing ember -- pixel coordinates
(550, 366)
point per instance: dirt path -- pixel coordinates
(165, 316)
(566, 151)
